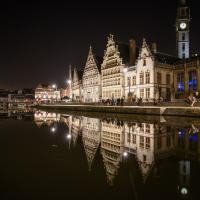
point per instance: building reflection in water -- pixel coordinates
(91, 138)
(45, 118)
(118, 140)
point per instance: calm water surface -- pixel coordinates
(48, 155)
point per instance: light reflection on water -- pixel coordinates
(151, 144)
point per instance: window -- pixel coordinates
(180, 80)
(159, 78)
(142, 93)
(134, 80)
(147, 128)
(183, 55)
(192, 80)
(141, 141)
(141, 78)
(183, 36)
(144, 62)
(147, 146)
(147, 77)
(183, 46)
(168, 79)
(147, 93)
(134, 139)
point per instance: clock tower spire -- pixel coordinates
(183, 30)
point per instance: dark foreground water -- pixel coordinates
(46, 155)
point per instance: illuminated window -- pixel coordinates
(147, 146)
(142, 93)
(134, 139)
(147, 76)
(128, 138)
(192, 80)
(180, 80)
(147, 93)
(141, 141)
(147, 128)
(141, 78)
(134, 80)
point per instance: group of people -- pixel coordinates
(113, 102)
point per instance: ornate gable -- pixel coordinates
(111, 54)
(145, 51)
(91, 62)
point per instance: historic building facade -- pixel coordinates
(92, 78)
(112, 70)
(152, 75)
(47, 93)
(186, 77)
(76, 85)
(132, 72)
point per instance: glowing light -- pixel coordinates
(53, 129)
(54, 86)
(69, 81)
(184, 191)
(125, 154)
(125, 70)
(69, 136)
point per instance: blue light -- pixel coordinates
(181, 134)
(193, 137)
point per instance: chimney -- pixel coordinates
(132, 51)
(154, 47)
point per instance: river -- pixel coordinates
(50, 155)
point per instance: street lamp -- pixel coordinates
(54, 86)
(69, 81)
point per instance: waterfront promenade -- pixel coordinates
(168, 110)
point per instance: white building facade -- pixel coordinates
(112, 70)
(151, 77)
(47, 93)
(92, 79)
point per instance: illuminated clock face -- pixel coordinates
(183, 25)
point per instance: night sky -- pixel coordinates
(39, 40)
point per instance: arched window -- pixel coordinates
(147, 76)
(141, 78)
(192, 80)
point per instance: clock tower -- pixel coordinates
(183, 30)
